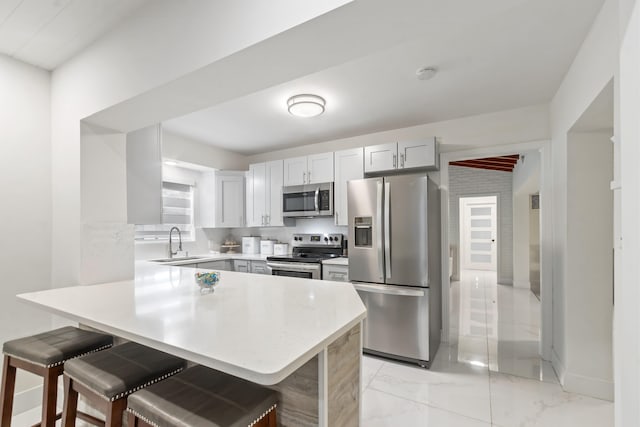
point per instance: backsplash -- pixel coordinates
(210, 239)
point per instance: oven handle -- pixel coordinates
(293, 266)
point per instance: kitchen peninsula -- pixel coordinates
(298, 336)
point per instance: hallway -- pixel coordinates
(488, 375)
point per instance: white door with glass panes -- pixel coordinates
(478, 233)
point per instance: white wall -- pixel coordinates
(526, 181)
(627, 291)
(593, 68)
(589, 265)
(178, 147)
(146, 51)
(25, 217)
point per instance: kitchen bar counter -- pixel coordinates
(194, 259)
(265, 329)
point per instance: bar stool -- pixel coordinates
(202, 397)
(45, 355)
(108, 377)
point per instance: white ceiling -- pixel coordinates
(48, 32)
(512, 57)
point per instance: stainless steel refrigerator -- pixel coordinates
(395, 263)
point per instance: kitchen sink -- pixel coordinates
(176, 259)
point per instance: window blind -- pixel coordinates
(177, 211)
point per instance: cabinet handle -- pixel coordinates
(337, 220)
(304, 177)
(394, 160)
(267, 219)
(309, 177)
(401, 160)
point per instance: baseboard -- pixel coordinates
(588, 386)
(558, 366)
(27, 400)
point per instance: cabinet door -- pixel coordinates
(222, 265)
(349, 165)
(144, 176)
(275, 175)
(417, 154)
(320, 168)
(206, 191)
(295, 171)
(380, 157)
(256, 209)
(241, 265)
(229, 200)
(336, 273)
(259, 267)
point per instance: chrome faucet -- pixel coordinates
(171, 253)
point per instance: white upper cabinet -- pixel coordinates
(264, 194)
(312, 169)
(222, 199)
(320, 168)
(295, 171)
(381, 157)
(417, 154)
(412, 154)
(349, 164)
(275, 175)
(144, 176)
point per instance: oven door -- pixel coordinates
(296, 269)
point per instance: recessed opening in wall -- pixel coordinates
(478, 233)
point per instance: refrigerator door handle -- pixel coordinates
(379, 233)
(388, 290)
(387, 229)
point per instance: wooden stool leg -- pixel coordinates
(6, 395)
(70, 408)
(115, 412)
(50, 397)
(132, 420)
(273, 422)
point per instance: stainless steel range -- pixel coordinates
(305, 261)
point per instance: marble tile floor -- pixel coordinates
(489, 374)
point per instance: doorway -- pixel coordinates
(478, 233)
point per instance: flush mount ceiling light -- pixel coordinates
(306, 105)
(426, 73)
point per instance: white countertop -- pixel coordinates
(336, 261)
(257, 327)
(215, 257)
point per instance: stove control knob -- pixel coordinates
(326, 239)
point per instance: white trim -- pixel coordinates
(558, 366)
(546, 189)
(323, 388)
(588, 386)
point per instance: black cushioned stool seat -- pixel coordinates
(203, 397)
(108, 377)
(45, 355)
(55, 347)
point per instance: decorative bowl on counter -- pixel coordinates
(207, 281)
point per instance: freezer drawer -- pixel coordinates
(397, 323)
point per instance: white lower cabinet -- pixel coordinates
(241, 265)
(259, 267)
(222, 265)
(337, 273)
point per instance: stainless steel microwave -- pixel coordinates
(307, 200)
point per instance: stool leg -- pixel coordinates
(49, 398)
(273, 422)
(70, 408)
(132, 420)
(6, 395)
(115, 412)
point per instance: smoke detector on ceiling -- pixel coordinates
(426, 73)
